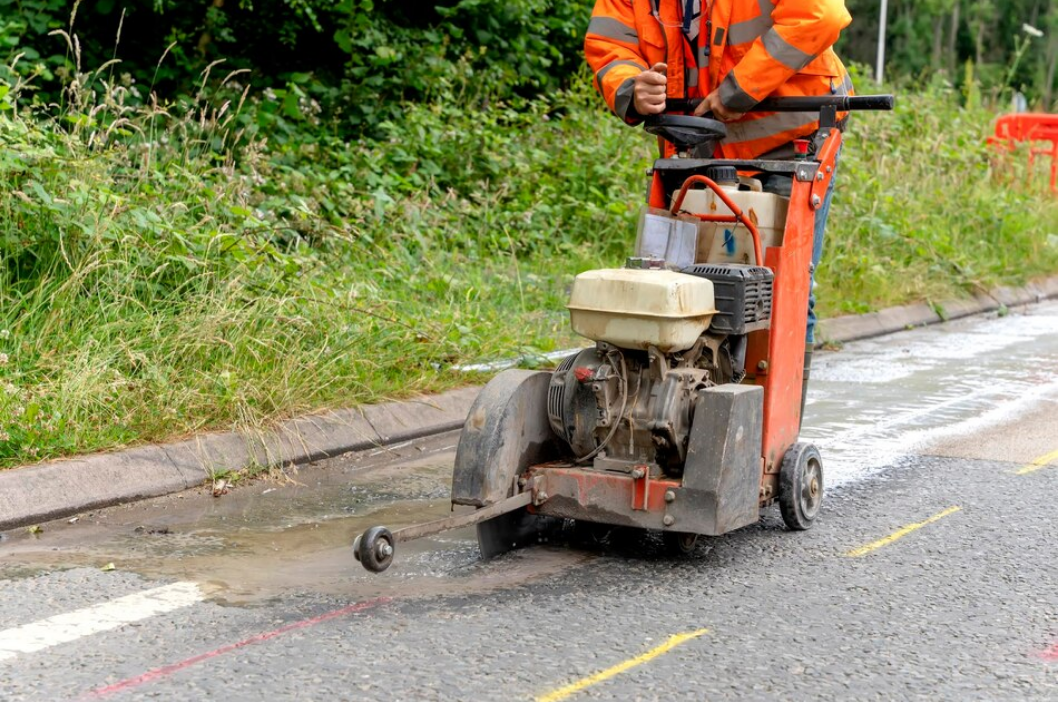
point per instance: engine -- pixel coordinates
(618, 406)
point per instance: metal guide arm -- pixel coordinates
(375, 547)
(418, 531)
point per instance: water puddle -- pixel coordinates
(270, 538)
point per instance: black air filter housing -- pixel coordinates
(743, 296)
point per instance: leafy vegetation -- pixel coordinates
(230, 255)
(926, 210)
(155, 280)
(357, 59)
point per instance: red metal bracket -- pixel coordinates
(641, 488)
(827, 156)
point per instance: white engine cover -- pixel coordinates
(635, 309)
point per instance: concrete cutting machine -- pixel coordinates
(684, 416)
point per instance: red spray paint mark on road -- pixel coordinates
(166, 671)
(1051, 654)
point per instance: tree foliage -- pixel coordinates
(358, 58)
(1013, 43)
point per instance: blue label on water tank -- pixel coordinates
(729, 242)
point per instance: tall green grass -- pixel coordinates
(166, 269)
(926, 210)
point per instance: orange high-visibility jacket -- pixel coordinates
(757, 49)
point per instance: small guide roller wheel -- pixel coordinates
(374, 549)
(679, 543)
(800, 486)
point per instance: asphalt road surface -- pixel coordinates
(931, 574)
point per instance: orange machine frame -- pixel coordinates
(775, 356)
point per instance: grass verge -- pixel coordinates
(166, 270)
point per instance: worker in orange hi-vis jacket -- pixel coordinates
(732, 54)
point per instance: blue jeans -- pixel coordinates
(781, 185)
(817, 255)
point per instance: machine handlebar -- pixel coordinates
(843, 103)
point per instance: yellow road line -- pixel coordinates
(575, 687)
(1038, 464)
(899, 534)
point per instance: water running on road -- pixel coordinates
(879, 401)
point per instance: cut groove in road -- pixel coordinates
(1039, 464)
(899, 534)
(64, 628)
(166, 671)
(584, 683)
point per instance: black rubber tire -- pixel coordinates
(679, 543)
(801, 486)
(368, 549)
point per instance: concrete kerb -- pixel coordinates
(894, 319)
(57, 489)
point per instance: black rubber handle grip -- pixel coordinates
(844, 103)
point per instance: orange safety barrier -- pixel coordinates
(1031, 127)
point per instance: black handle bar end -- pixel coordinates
(843, 103)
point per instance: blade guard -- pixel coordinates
(506, 432)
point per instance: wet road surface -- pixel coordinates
(932, 572)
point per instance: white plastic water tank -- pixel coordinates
(727, 243)
(636, 309)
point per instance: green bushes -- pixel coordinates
(357, 59)
(155, 280)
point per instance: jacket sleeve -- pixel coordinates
(612, 49)
(801, 31)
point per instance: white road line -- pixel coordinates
(63, 628)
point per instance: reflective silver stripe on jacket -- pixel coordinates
(771, 125)
(624, 99)
(614, 64)
(779, 122)
(610, 28)
(785, 53)
(750, 30)
(733, 96)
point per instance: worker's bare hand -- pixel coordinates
(650, 90)
(713, 104)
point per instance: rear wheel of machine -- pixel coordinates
(510, 531)
(801, 486)
(679, 543)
